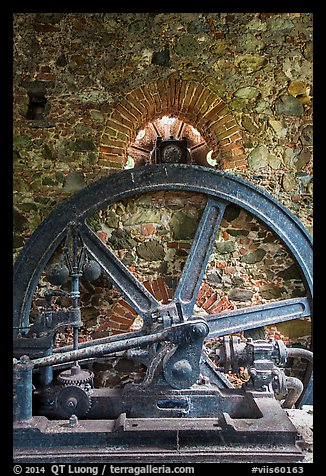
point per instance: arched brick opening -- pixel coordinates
(123, 317)
(191, 102)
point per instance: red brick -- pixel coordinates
(184, 246)
(238, 151)
(122, 307)
(182, 94)
(128, 306)
(117, 143)
(202, 291)
(163, 289)
(227, 133)
(148, 287)
(109, 134)
(223, 118)
(156, 290)
(199, 91)
(238, 164)
(111, 157)
(148, 229)
(162, 94)
(121, 108)
(209, 301)
(229, 146)
(116, 116)
(210, 101)
(118, 126)
(151, 111)
(173, 85)
(236, 136)
(103, 327)
(222, 264)
(222, 305)
(158, 104)
(167, 94)
(102, 236)
(214, 111)
(204, 297)
(189, 93)
(225, 141)
(137, 105)
(112, 150)
(144, 99)
(202, 100)
(230, 124)
(121, 320)
(139, 94)
(121, 327)
(178, 85)
(111, 164)
(147, 95)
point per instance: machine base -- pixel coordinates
(153, 440)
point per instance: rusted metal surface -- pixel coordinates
(152, 440)
(184, 409)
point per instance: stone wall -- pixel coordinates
(86, 84)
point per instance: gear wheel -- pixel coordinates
(76, 376)
(72, 400)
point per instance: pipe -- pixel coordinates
(295, 387)
(300, 353)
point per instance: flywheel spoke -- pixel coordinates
(194, 269)
(132, 290)
(228, 322)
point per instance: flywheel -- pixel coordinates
(221, 190)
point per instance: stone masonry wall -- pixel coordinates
(243, 80)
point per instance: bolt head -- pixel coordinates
(73, 420)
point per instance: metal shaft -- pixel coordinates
(100, 349)
(101, 340)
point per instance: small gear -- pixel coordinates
(72, 400)
(76, 376)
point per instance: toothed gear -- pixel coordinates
(76, 376)
(73, 400)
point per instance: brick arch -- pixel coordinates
(191, 102)
(122, 316)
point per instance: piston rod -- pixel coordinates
(176, 333)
